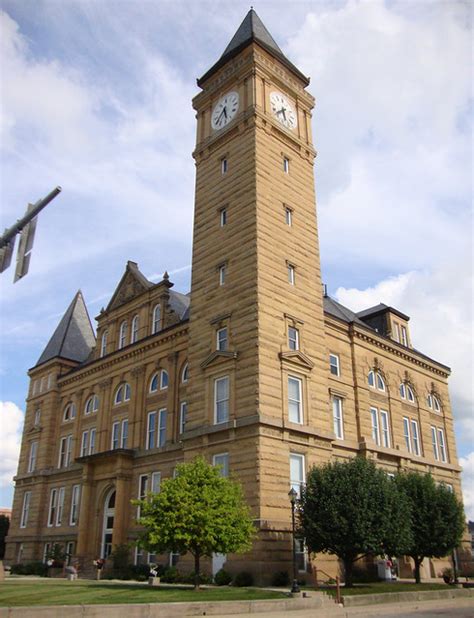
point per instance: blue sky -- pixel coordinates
(96, 97)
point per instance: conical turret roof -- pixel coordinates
(74, 337)
(252, 30)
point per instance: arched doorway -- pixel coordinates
(108, 525)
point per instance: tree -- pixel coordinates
(352, 509)
(4, 525)
(199, 511)
(437, 518)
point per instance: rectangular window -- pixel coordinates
(442, 446)
(295, 401)
(74, 512)
(69, 552)
(53, 503)
(291, 274)
(334, 364)
(221, 337)
(222, 274)
(46, 550)
(155, 482)
(297, 472)
(406, 433)
(162, 427)
(288, 216)
(183, 410)
(286, 165)
(221, 400)
(384, 429)
(32, 457)
(396, 332)
(374, 416)
(92, 435)
(151, 430)
(434, 441)
(60, 509)
(142, 490)
(300, 554)
(293, 338)
(115, 435)
(337, 417)
(124, 439)
(404, 335)
(224, 166)
(223, 216)
(84, 443)
(25, 511)
(37, 416)
(222, 460)
(415, 438)
(65, 449)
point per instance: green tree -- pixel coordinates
(4, 525)
(437, 518)
(352, 509)
(199, 511)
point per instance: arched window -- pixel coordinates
(376, 380)
(134, 333)
(92, 404)
(156, 320)
(103, 343)
(123, 334)
(434, 403)
(159, 380)
(185, 374)
(69, 412)
(122, 394)
(406, 392)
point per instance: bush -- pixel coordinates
(170, 575)
(30, 568)
(188, 578)
(140, 572)
(365, 575)
(222, 578)
(281, 579)
(243, 579)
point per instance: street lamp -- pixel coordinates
(292, 494)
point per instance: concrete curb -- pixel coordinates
(404, 597)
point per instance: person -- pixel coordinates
(71, 571)
(99, 563)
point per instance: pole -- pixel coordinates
(294, 588)
(30, 215)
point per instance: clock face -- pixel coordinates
(225, 110)
(283, 110)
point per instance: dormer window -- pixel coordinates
(103, 343)
(406, 392)
(156, 320)
(69, 412)
(123, 334)
(376, 380)
(122, 394)
(134, 330)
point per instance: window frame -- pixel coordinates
(69, 412)
(224, 471)
(134, 328)
(291, 274)
(115, 436)
(103, 343)
(60, 506)
(151, 430)
(185, 373)
(25, 509)
(297, 484)
(53, 498)
(293, 342)
(33, 456)
(300, 407)
(286, 165)
(223, 216)
(224, 165)
(122, 342)
(161, 427)
(377, 380)
(288, 216)
(183, 406)
(222, 342)
(222, 274)
(124, 433)
(338, 417)
(217, 402)
(156, 320)
(164, 379)
(335, 365)
(75, 501)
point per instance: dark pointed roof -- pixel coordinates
(380, 308)
(337, 310)
(74, 337)
(252, 30)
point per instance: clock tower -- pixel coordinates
(257, 353)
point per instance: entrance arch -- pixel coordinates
(108, 524)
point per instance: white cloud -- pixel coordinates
(11, 422)
(467, 464)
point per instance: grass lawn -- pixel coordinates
(382, 587)
(19, 592)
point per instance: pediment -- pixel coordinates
(216, 357)
(131, 285)
(297, 358)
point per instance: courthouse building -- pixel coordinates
(257, 368)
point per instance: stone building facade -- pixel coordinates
(257, 368)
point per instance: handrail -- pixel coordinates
(338, 582)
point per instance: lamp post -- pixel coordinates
(293, 495)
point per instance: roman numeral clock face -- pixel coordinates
(283, 110)
(225, 110)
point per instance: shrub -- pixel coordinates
(222, 578)
(170, 575)
(243, 579)
(140, 572)
(188, 578)
(281, 579)
(30, 568)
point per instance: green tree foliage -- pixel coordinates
(4, 525)
(437, 518)
(352, 509)
(198, 511)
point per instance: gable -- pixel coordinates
(131, 285)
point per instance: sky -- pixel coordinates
(96, 97)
